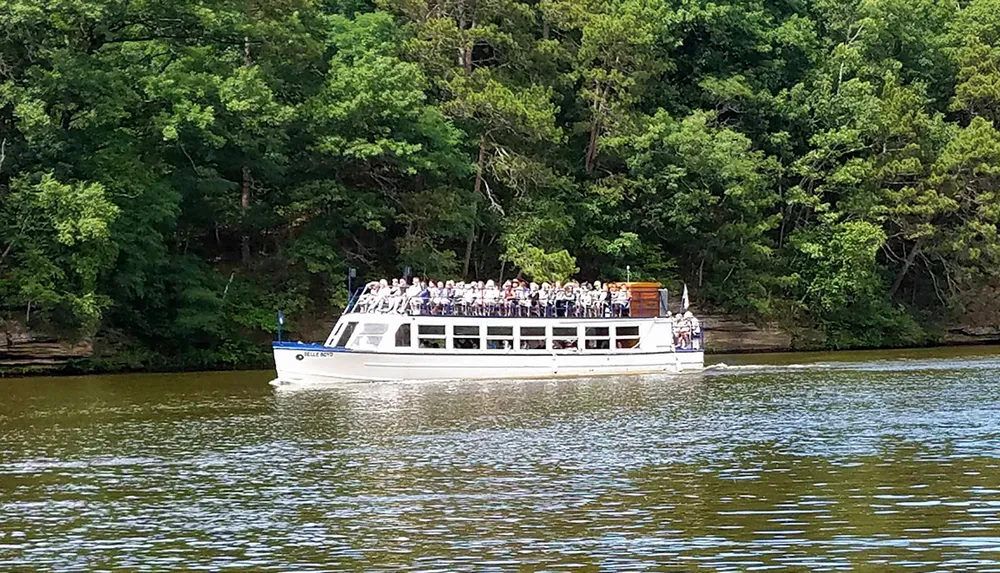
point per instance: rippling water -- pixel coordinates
(872, 463)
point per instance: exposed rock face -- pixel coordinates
(24, 349)
(963, 334)
(724, 333)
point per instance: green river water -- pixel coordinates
(820, 462)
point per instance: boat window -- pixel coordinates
(626, 337)
(499, 343)
(466, 343)
(597, 331)
(597, 338)
(403, 336)
(466, 337)
(370, 335)
(374, 328)
(499, 337)
(627, 331)
(346, 335)
(598, 344)
(431, 336)
(533, 338)
(564, 338)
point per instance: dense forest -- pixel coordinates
(174, 171)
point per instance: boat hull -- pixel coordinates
(311, 363)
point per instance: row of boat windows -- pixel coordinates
(469, 337)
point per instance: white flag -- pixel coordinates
(684, 299)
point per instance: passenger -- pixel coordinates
(617, 301)
(684, 331)
(448, 297)
(569, 298)
(626, 300)
(533, 296)
(509, 297)
(461, 292)
(425, 298)
(412, 297)
(381, 296)
(491, 297)
(364, 299)
(695, 328)
(511, 300)
(585, 300)
(434, 297)
(559, 299)
(479, 300)
(544, 297)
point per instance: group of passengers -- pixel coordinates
(515, 298)
(687, 330)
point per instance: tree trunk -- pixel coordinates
(476, 188)
(907, 263)
(591, 156)
(245, 194)
(244, 206)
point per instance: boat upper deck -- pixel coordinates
(629, 300)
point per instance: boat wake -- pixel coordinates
(890, 365)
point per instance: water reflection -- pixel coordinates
(801, 468)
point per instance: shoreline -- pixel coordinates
(81, 367)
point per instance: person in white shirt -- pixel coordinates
(412, 296)
(469, 299)
(600, 299)
(491, 295)
(585, 300)
(695, 330)
(544, 300)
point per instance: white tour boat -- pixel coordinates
(380, 346)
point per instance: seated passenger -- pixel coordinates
(366, 297)
(381, 296)
(412, 297)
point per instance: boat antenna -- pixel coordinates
(628, 273)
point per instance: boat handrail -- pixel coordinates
(353, 301)
(452, 306)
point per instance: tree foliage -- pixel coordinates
(173, 172)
